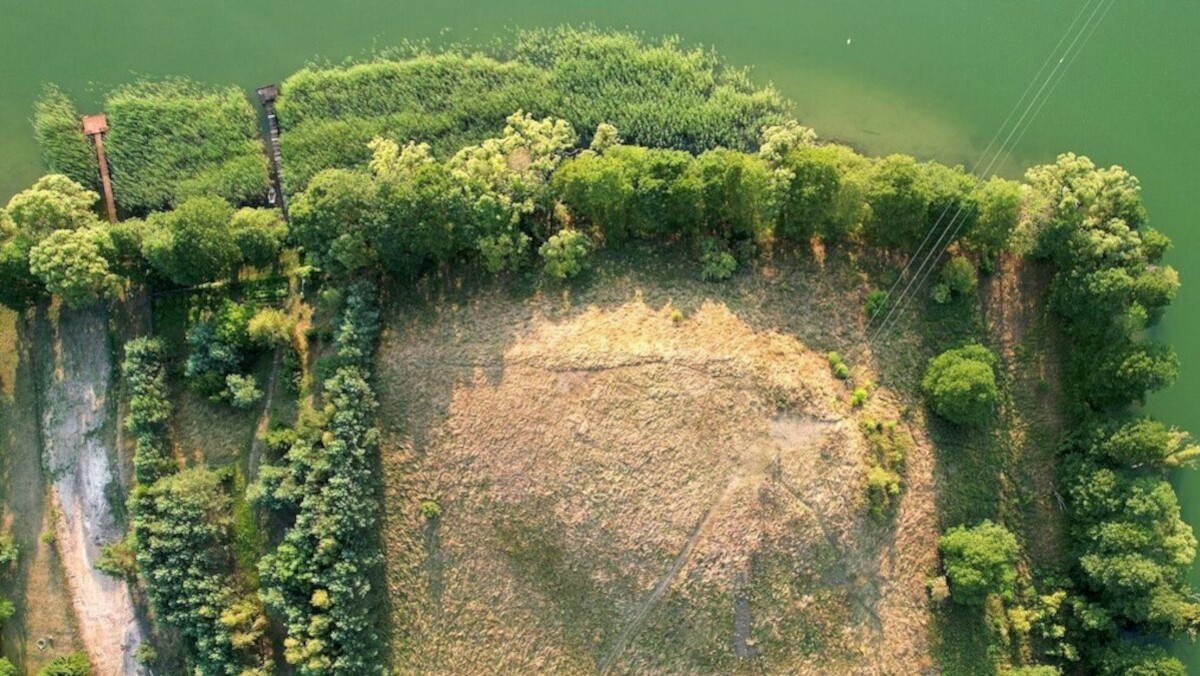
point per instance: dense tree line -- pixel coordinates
(52, 243)
(181, 523)
(320, 576)
(1131, 548)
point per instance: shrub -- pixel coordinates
(959, 276)
(218, 346)
(841, 371)
(118, 559)
(716, 264)
(939, 589)
(9, 551)
(565, 253)
(960, 384)
(979, 561)
(877, 300)
(270, 327)
(242, 390)
(887, 452)
(431, 510)
(7, 668)
(149, 408)
(1035, 670)
(74, 664)
(859, 397)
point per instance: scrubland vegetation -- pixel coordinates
(416, 170)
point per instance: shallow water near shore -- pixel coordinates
(934, 78)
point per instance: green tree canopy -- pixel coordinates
(193, 244)
(960, 384)
(979, 561)
(55, 202)
(1127, 658)
(70, 264)
(332, 219)
(1134, 547)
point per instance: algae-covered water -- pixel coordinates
(933, 78)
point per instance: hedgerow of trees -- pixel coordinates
(320, 576)
(181, 523)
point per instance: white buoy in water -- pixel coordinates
(848, 40)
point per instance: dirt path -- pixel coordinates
(77, 436)
(264, 420)
(643, 609)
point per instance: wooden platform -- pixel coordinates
(95, 124)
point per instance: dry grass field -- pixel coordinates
(645, 474)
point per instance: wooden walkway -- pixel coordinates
(267, 96)
(94, 126)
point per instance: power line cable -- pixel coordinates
(1017, 106)
(898, 306)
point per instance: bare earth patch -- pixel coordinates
(78, 436)
(623, 489)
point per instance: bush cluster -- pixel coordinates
(320, 576)
(181, 524)
(980, 562)
(887, 449)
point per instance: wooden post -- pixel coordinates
(95, 126)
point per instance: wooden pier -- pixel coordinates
(95, 126)
(267, 96)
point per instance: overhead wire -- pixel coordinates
(1004, 125)
(896, 307)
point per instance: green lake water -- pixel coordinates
(934, 78)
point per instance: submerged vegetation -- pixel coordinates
(561, 144)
